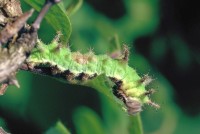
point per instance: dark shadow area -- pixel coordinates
(182, 19)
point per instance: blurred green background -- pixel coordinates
(163, 37)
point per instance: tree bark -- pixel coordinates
(16, 38)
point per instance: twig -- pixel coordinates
(44, 10)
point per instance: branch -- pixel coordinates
(18, 49)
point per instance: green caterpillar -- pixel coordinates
(75, 67)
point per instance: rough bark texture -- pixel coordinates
(16, 38)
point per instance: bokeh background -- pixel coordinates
(163, 36)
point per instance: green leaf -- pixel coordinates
(59, 128)
(3, 124)
(115, 119)
(56, 17)
(74, 7)
(114, 44)
(17, 100)
(87, 122)
(101, 84)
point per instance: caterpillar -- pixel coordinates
(74, 67)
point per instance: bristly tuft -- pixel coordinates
(125, 53)
(146, 80)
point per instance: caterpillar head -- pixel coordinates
(134, 98)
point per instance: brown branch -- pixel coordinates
(44, 10)
(13, 28)
(12, 57)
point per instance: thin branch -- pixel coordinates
(44, 10)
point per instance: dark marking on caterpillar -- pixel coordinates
(69, 75)
(83, 77)
(133, 106)
(55, 70)
(119, 93)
